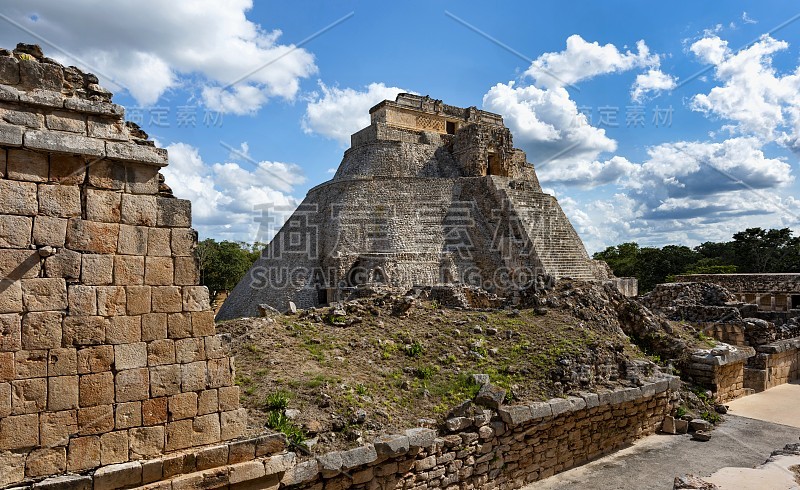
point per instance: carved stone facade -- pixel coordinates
(427, 194)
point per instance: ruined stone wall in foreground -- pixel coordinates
(108, 350)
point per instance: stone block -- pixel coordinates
(27, 364)
(15, 231)
(154, 326)
(179, 325)
(34, 74)
(279, 463)
(10, 296)
(95, 359)
(67, 169)
(137, 153)
(96, 389)
(154, 410)
(127, 415)
(203, 324)
(212, 457)
(92, 237)
(44, 294)
(182, 406)
(139, 300)
(216, 347)
(104, 128)
(60, 201)
(41, 330)
(95, 420)
(28, 166)
(62, 393)
(84, 330)
(138, 210)
(132, 385)
(159, 271)
(300, 473)
(10, 332)
(107, 174)
(97, 270)
(179, 435)
(189, 350)
(158, 242)
(13, 465)
(184, 242)
(19, 432)
(124, 330)
(62, 362)
(391, 446)
(248, 471)
(229, 398)
(9, 70)
(19, 198)
(103, 205)
(111, 301)
(153, 471)
(94, 107)
(167, 299)
(187, 272)
(46, 461)
(130, 356)
(120, 475)
(67, 121)
(55, 428)
(114, 447)
(83, 453)
(141, 179)
(28, 395)
(146, 442)
(65, 264)
(515, 414)
(219, 373)
(195, 298)
(65, 482)
(165, 380)
(128, 270)
(132, 240)
(161, 352)
(175, 213)
(29, 119)
(63, 143)
(9, 135)
(82, 300)
(233, 424)
(48, 230)
(193, 376)
(207, 400)
(19, 264)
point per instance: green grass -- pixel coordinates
(414, 349)
(277, 420)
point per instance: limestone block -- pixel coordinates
(9, 135)
(212, 457)
(127, 415)
(103, 205)
(97, 270)
(46, 461)
(138, 210)
(19, 198)
(130, 356)
(189, 350)
(247, 471)
(66, 121)
(107, 129)
(55, 428)
(20, 431)
(96, 389)
(193, 377)
(8, 371)
(184, 241)
(159, 271)
(176, 213)
(215, 347)
(28, 395)
(65, 264)
(82, 300)
(13, 465)
(62, 393)
(207, 400)
(67, 169)
(161, 352)
(179, 325)
(107, 174)
(64, 482)
(63, 143)
(120, 475)
(28, 364)
(187, 272)
(158, 242)
(154, 326)
(141, 179)
(61, 201)
(49, 231)
(136, 153)
(153, 471)
(167, 299)
(233, 424)
(132, 385)
(279, 463)
(62, 362)
(19, 264)
(138, 299)
(44, 294)
(94, 107)
(132, 240)
(219, 373)
(29, 119)
(114, 447)
(182, 406)
(146, 442)
(229, 398)
(9, 70)
(33, 74)
(29, 166)
(92, 237)
(203, 323)
(10, 332)
(154, 410)
(128, 269)
(3, 168)
(83, 453)
(111, 301)
(165, 380)
(179, 435)
(195, 298)
(124, 330)
(10, 297)
(15, 231)
(84, 330)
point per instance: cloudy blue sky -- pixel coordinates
(662, 123)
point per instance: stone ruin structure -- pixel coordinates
(108, 352)
(427, 194)
(776, 293)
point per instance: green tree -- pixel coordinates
(223, 264)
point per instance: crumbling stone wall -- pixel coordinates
(721, 370)
(774, 364)
(108, 350)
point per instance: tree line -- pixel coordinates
(750, 251)
(223, 264)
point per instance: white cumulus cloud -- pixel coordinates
(654, 80)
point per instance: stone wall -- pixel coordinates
(721, 370)
(774, 364)
(108, 350)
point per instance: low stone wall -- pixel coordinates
(730, 333)
(507, 448)
(721, 370)
(774, 364)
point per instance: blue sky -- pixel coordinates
(672, 122)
